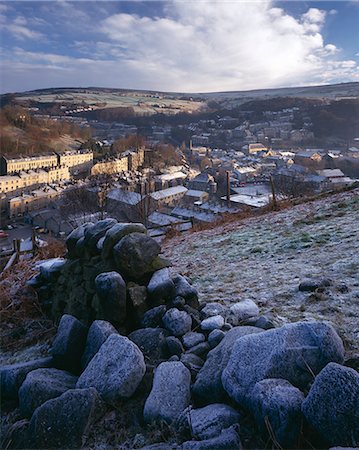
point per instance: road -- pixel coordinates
(21, 232)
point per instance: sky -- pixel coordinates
(179, 45)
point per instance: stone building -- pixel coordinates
(25, 179)
(111, 166)
(75, 158)
(11, 165)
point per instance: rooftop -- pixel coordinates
(119, 195)
(164, 193)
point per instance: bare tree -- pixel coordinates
(294, 186)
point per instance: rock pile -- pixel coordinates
(209, 366)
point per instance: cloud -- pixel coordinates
(191, 46)
(219, 46)
(21, 32)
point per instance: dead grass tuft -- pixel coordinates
(23, 321)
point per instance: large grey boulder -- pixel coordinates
(74, 237)
(280, 403)
(63, 422)
(134, 255)
(95, 232)
(151, 342)
(116, 370)
(185, 290)
(212, 323)
(161, 287)
(293, 352)
(174, 346)
(111, 291)
(50, 269)
(116, 233)
(12, 376)
(228, 440)
(213, 309)
(208, 422)
(177, 322)
(136, 301)
(193, 362)
(200, 350)
(41, 385)
(98, 333)
(69, 344)
(332, 405)
(215, 337)
(241, 311)
(192, 338)
(208, 387)
(153, 317)
(170, 394)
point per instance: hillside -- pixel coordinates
(151, 102)
(178, 356)
(265, 259)
(21, 133)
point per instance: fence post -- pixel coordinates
(33, 241)
(273, 194)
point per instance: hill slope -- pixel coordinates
(265, 258)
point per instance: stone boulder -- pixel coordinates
(41, 385)
(98, 333)
(12, 376)
(64, 421)
(310, 285)
(95, 232)
(174, 346)
(116, 233)
(151, 342)
(115, 371)
(208, 422)
(185, 290)
(51, 269)
(74, 237)
(111, 291)
(153, 317)
(134, 255)
(192, 338)
(161, 287)
(213, 309)
(177, 322)
(212, 323)
(229, 439)
(241, 311)
(200, 350)
(332, 405)
(208, 387)
(293, 352)
(136, 301)
(277, 401)
(215, 337)
(170, 394)
(69, 344)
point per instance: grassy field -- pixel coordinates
(141, 101)
(265, 258)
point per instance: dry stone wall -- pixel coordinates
(130, 333)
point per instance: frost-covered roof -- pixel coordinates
(164, 193)
(119, 195)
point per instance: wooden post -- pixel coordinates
(274, 199)
(18, 249)
(33, 241)
(228, 188)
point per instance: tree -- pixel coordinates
(294, 186)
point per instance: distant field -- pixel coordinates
(140, 102)
(331, 92)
